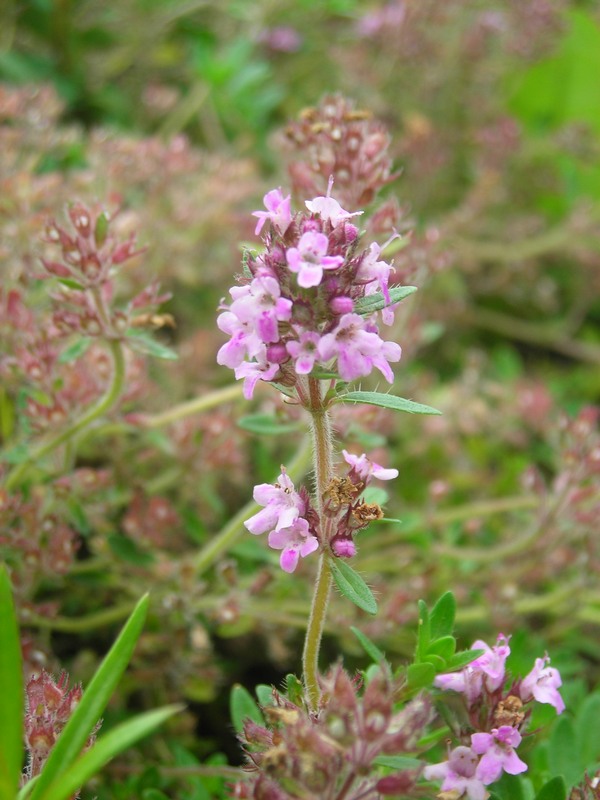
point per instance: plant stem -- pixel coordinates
(103, 405)
(323, 465)
(195, 406)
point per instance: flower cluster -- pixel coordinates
(294, 525)
(49, 705)
(332, 753)
(299, 303)
(335, 138)
(497, 715)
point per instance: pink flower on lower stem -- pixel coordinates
(543, 683)
(488, 668)
(294, 541)
(497, 753)
(458, 774)
(365, 469)
(282, 505)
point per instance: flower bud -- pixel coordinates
(342, 305)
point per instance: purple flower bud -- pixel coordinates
(277, 353)
(342, 305)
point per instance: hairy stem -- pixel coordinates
(103, 405)
(323, 466)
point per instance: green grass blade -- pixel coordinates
(95, 699)
(11, 694)
(107, 747)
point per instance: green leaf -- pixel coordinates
(241, 706)
(74, 351)
(387, 401)
(375, 302)
(144, 343)
(563, 752)
(101, 229)
(424, 630)
(443, 647)
(420, 675)
(352, 586)
(375, 494)
(128, 550)
(294, 688)
(16, 455)
(555, 789)
(11, 693)
(264, 694)
(438, 662)
(442, 616)
(266, 425)
(116, 741)
(71, 284)
(398, 762)
(95, 699)
(368, 646)
(154, 794)
(460, 660)
(588, 731)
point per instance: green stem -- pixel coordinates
(80, 624)
(102, 406)
(323, 464)
(195, 406)
(314, 631)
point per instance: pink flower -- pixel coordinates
(329, 209)
(278, 211)
(358, 350)
(543, 683)
(365, 469)
(309, 259)
(371, 270)
(489, 667)
(254, 371)
(283, 505)
(304, 351)
(497, 751)
(343, 547)
(294, 541)
(459, 774)
(492, 662)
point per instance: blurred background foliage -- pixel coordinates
(175, 111)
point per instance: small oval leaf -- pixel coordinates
(243, 706)
(375, 302)
(387, 401)
(368, 646)
(442, 616)
(352, 586)
(266, 425)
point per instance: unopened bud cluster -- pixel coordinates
(318, 755)
(49, 705)
(90, 256)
